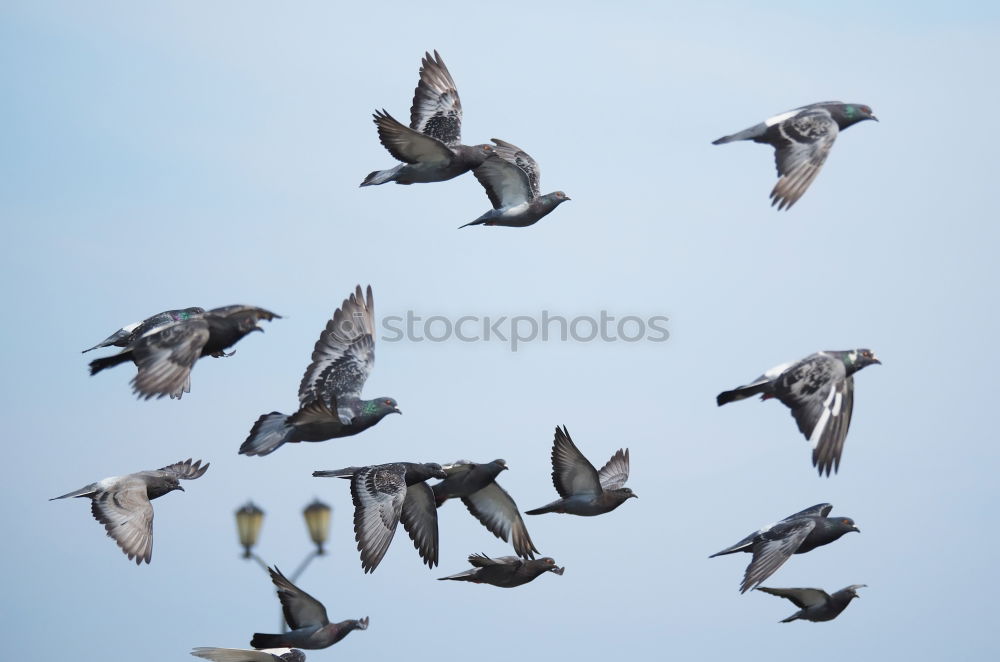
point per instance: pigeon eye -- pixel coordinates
(388, 402)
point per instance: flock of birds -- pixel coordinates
(819, 391)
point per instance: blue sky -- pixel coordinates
(186, 154)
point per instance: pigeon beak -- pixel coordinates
(558, 571)
(396, 411)
(633, 496)
(181, 488)
(873, 117)
(257, 328)
(855, 528)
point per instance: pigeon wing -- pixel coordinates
(496, 510)
(378, 493)
(436, 109)
(165, 357)
(420, 521)
(344, 354)
(187, 469)
(819, 510)
(772, 548)
(509, 176)
(614, 474)
(803, 598)
(572, 473)
(407, 145)
(799, 154)
(301, 609)
(821, 397)
(828, 439)
(127, 516)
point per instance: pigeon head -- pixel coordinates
(852, 590)
(159, 486)
(431, 470)
(549, 565)
(622, 494)
(559, 197)
(851, 113)
(383, 407)
(361, 624)
(843, 525)
(856, 359)
(497, 466)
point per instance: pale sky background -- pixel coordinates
(203, 154)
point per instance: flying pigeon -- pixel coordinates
(239, 655)
(122, 504)
(306, 616)
(127, 335)
(802, 139)
(819, 390)
(584, 489)
(383, 495)
(511, 178)
(166, 346)
(796, 534)
(330, 403)
(505, 571)
(475, 484)
(814, 604)
(431, 148)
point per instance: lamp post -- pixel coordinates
(250, 519)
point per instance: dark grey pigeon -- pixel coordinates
(431, 148)
(475, 484)
(383, 495)
(239, 655)
(814, 604)
(330, 403)
(505, 571)
(796, 534)
(306, 616)
(122, 504)
(802, 139)
(166, 352)
(511, 179)
(585, 490)
(128, 334)
(819, 390)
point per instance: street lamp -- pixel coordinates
(250, 518)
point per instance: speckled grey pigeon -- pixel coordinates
(240, 655)
(475, 484)
(505, 571)
(431, 148)
(128, 334)
(330, 403)
(796, 534)
(383, 495)
(165, 352)
(585, 490)
(819, 390)
(814, 604)
(511, 179)
(306, 616)
(122, 504)
(802, 139)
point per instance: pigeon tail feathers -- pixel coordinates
(267, 641)
(105, 362)
(740, 393)
(752, 133)
(377, 177)
(269, 433)
(554, 507)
